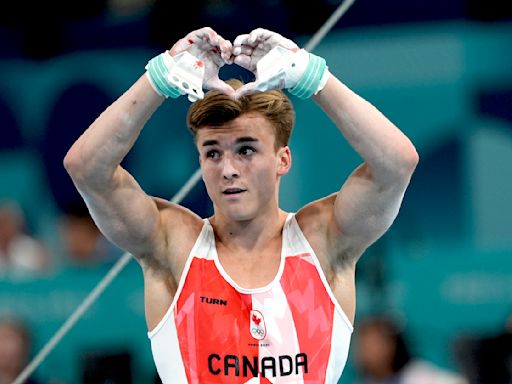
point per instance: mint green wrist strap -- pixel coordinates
(158, 70)
(310, 81)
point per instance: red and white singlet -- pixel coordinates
(290, 331)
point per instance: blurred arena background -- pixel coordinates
(441, 70)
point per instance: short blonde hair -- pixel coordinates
(217, 108)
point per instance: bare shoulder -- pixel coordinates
(316, 220)
(181, 227)
(318, 223)
(177, 214)
(316, 217)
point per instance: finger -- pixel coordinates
(205, 39)
(229, 60)
(194, 38)
(205, 33)
(214, 58)
(244, 61)
(260, 35)
(226, 49)
(180, 46)
(219, 85)
(215, 42)
(269, 39)
(207, 44)
(243, 50)
(245, 90)
(241, 39)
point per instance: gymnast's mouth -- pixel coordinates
(233, 191)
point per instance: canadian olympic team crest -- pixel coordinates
(257, 325)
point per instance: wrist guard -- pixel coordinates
(176, 76)
(301, 72)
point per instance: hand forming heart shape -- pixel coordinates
(246, 51)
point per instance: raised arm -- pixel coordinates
(126, 215)
(369, 200)
(122, 211)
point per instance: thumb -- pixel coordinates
(246, 89)
(245, 61)
(221, 86)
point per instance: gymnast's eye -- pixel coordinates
(246, 150)
(213, 154)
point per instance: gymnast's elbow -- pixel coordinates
(86, 173)
(75, 165)
(410, 159)
(400, 167)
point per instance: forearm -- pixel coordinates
(95, 156)
(384, 148)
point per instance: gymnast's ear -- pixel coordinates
(284, 160)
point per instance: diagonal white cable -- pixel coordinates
(94, 294)
(125, 259)
(327, 26)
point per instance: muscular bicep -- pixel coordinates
(365, 208)
(125, 214)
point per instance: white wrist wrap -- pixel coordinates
(181, 75)
(303, 73)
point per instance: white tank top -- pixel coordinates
(291, 331)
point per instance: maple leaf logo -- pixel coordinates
(256, 319)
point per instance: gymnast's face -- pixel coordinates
(241, 167)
